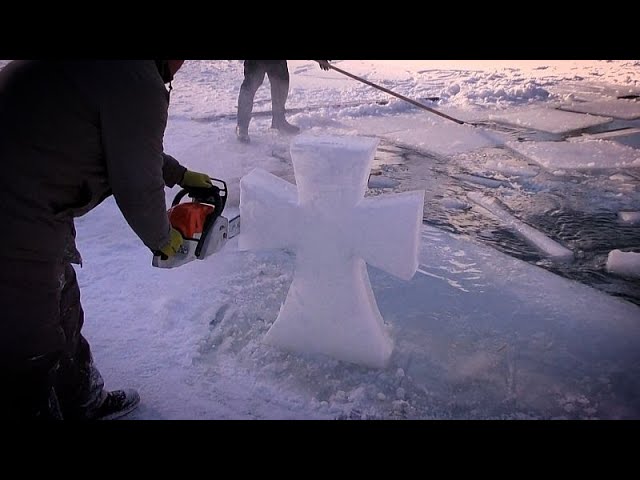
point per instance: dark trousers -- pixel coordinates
(46, 366)
(254, 72)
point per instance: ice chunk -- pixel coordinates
(624, 263)
(621, 177)
(549, 119)
(629, 217)
(536, 238)
(616, 108)
(454, 204)
(578, 155)
(378, 181)
(480, 180)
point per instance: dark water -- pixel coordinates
(577, 209)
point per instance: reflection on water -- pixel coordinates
(577, 209)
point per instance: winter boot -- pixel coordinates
(242, 134)
(283, 126)
(118, 403)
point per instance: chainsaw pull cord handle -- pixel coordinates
(223, 189)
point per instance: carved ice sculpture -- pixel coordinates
(334, 231)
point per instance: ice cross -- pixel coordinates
(334, 231)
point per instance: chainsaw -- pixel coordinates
(203, 228)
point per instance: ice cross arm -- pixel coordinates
(389, 233)
(268, 209)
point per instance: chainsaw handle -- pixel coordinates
(205, 194)
(180, 195)
(218, 201)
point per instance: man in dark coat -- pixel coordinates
(278, 73)
(73, 133)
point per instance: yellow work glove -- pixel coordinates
(195, 179)
(175, 241)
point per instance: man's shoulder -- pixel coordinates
(122, 78)
(123, 69)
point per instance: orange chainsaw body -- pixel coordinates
(189, 218)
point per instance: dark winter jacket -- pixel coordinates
(71, 134)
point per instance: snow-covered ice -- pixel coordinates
(616, 108)
(579, 155)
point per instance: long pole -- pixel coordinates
(402, 97)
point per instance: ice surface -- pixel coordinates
(616, 108)
(429, 132)
(578, 155)
(623, 136)
(549, 119)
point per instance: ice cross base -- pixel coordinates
(335, 232)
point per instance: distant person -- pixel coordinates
(278, 73)
(72, 133)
